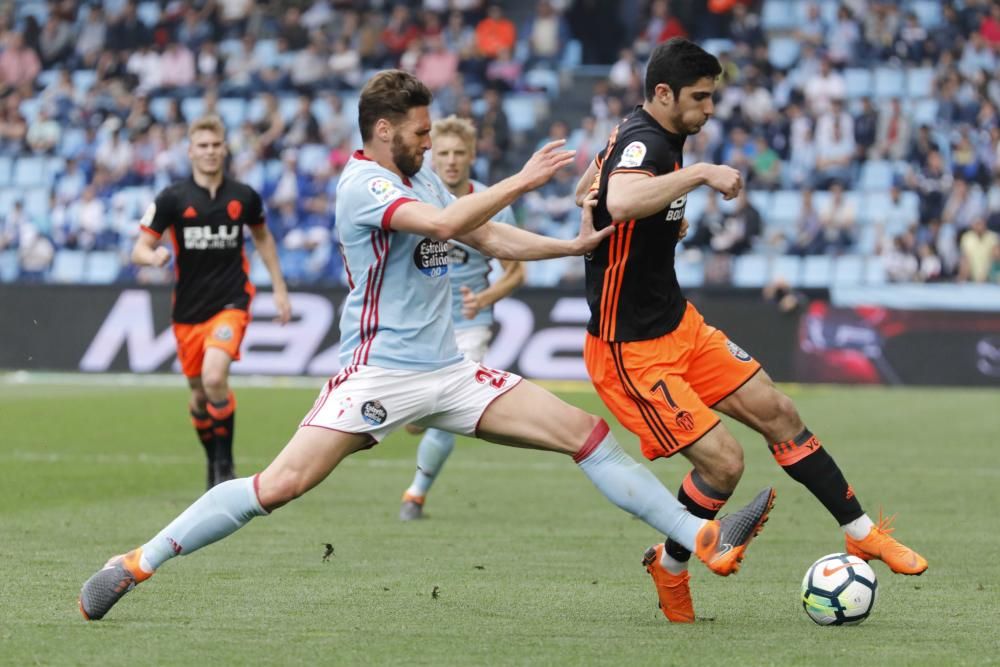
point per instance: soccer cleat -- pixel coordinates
(900, 558)
(106, 587)
(674, 590)
(722, 543)
(412, 507)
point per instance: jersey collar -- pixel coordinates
(359, 155)
(676, 140)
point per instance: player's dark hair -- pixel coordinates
(679, 63)
(390, 94)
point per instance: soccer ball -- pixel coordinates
(839, 589)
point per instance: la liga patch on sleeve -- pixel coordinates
(633, 154)
(383, 190)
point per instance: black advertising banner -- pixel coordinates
(539, 334)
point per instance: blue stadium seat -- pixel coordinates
(6, 170)
(875, 272)
(231, 109)
(778, 15)
(925, 111)
(876, 175)
(889, 82)
(817, 271)
(920, 81)
(788, 267)
(928, 11)
(35, 8)
(83, 79)
(867, 238)
(9, 268)
(312, 157)
(30, 172)
(858, 81)
(47, 77)
(288, 105)
(718, 45)
(36, 202)
(690, 273)
(760, 200)
(542, 79)
(522, 111)
(29, 108)
(785, 205)
(73, 139)
(782, 52)
(696, 201)
(750, 271)
(572, 55)
(848, 270)
(192, 107)
(68, 266)
(158, 106)
(148, 13)
(102, 267)
(266, 51)
(7, 198)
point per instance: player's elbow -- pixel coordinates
(619, 208)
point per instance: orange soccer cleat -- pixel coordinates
(900, 558)
(721, 544)
(673, 590)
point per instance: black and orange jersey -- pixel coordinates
(210, 265)
(632, 288)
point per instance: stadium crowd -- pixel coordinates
(867, 131)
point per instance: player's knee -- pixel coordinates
(216, 383)
(279, 489)
(727, 467)
(579, 426)
(785, 413)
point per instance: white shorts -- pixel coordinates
(474, 342)
(377, 401)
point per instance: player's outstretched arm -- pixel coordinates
(587, 182)
(473, 210)
(264, 242)
(508, 242)
(632, 196)
(147, 252)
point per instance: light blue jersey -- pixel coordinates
(470, 267)
(398, 312)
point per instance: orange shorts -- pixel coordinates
(663, 389)
(225, 331)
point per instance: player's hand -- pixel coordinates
(725, 180)
(544, 164)
(589, 238)
(284, 306)
(470, 303)
(683, 231)
(160, 256)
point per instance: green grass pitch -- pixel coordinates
(529, 563)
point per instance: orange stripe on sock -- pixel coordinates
(695, 494)
(788, 452)
(226, 410)
(201, 422)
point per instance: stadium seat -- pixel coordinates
(231, 110)
(6, 170)
(9, 268)
(30, 172)
(750, 271)
(83, 80)
(148, 13)
(817, 271)
(158, 106)
(312, 157)
(785, 205)
(778, 15)
(920, 82)
(68, 266)
(266, 52)
(102, 267)
(542, 79)
(782, 52)
(858, 81)
(7, 198)
(876, 175)
(36, 8)
(875, 272)
(572, 55)
(522, 111)
(47, 77)
(925, 111)
(760, 200)
(928, 11)
(288, 105)
(73, 139)
(848, 270)
(36, 202)
(258, 271)
(690, 273)
(29, 108)
(867, 239)
(192, 107)
(718, 45)
(789, 268)
(889, 83)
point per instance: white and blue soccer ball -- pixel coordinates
(839, 589)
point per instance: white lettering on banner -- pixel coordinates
(516, 324)
(289, 347)
(557, 353)
(130, 323)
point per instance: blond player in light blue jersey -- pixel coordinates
(472, 295)
(400, 363)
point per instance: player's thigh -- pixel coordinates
(532, 417)
(225, 331)
(764, 408)
(307, 459)
(718, 367)
(473, 342)
(641, 383)
(190, 348)
(215, 368)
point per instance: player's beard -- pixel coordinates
(408, 163)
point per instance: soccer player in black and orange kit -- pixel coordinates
(652, 358)
(205, 215)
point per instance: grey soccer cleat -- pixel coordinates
(109, 584)
(722, 544)
(411, 509)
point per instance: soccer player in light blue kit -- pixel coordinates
(472, 296)
(401, 364)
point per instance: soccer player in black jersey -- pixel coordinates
(657, 365)
(204, 216)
